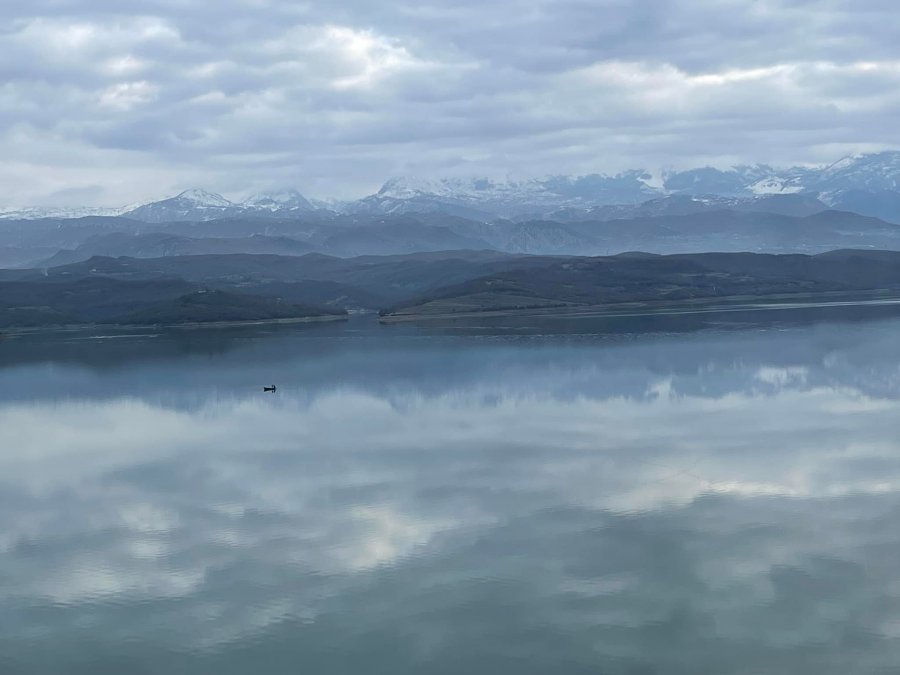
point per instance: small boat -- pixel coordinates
(272, 388)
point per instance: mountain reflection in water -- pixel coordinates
(721, 498)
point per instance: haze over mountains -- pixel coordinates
(854, 203)
(450, 244)
(857, 180)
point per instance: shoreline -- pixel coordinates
(189, 325)
(662, 307)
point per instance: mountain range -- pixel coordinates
(868, 184)
(854, 204)
(788, 225)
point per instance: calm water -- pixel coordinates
(687, 494)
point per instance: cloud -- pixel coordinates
(334, 97)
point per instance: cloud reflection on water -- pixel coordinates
(591, 508)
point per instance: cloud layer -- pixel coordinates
(102, 104)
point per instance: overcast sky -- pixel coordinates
(105, 102)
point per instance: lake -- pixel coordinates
(695, 493)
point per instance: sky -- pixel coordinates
(108, 102)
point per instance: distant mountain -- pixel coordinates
(482, 196)
(39, 212)
(678, 224)
(883, 204)
(159, 244)
(871, 173)
(15, 256)
(730, 230)
(739, 181)
(61, 233)
(283, 203)
(868, 184)
(804, 204)
(533, 237)
(189, 205)
(708, 229)
(403, 236)
(751, 187)
(200, 205)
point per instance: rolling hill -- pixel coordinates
(645, 278)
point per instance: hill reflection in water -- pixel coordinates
(437, 500)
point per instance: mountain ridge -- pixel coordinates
(486, 198)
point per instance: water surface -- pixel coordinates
(690, 494)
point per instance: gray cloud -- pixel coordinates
(334, 97)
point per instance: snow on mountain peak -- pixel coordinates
(774, 185)
(201, 197)
(38, 212)
(481, 189)
(277, 200)
(483, 197)
(844, 163)
(405, 187)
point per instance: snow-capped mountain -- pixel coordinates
(200, 205)
(868, 184)
(870, 173)
(738, 181)
(284, 201)
(469, 196)
(775, 185)
(37, 212)
(193, 204)
(204, 199)
(190, 205)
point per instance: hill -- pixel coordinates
(99, 299)
(371, 282)
(677, 224)
(241, 286)
(654, 278)
(214, 306)
(161, 244)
